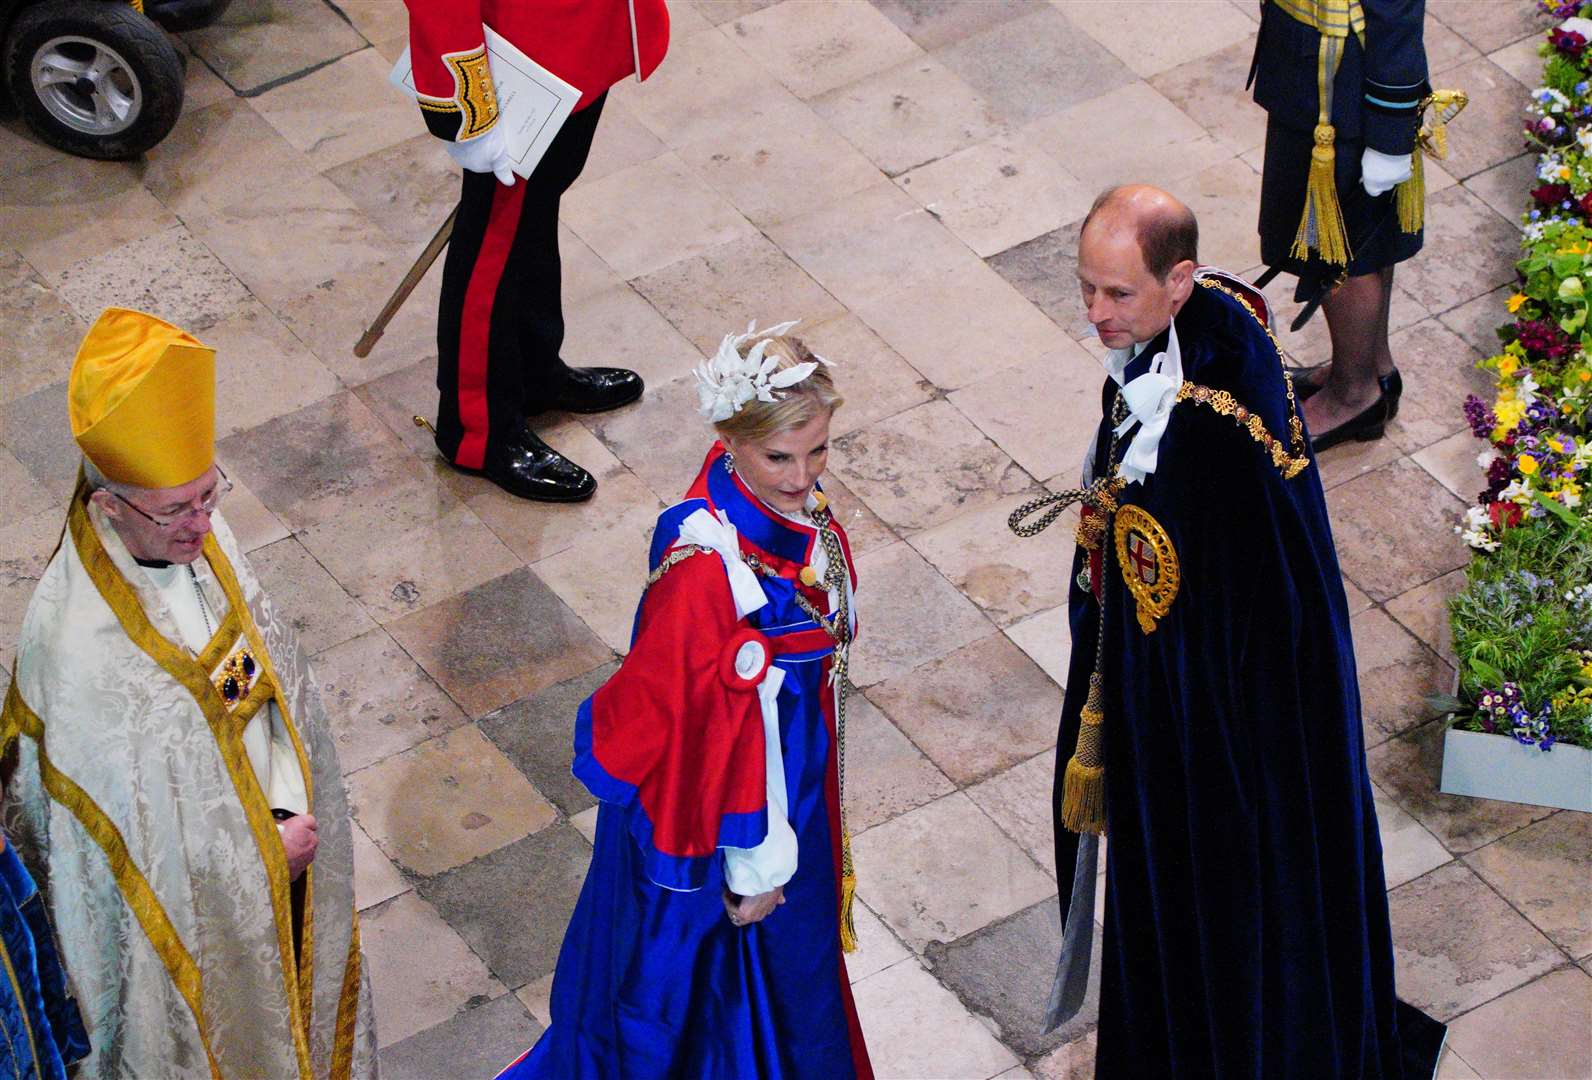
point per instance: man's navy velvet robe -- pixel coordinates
(1246, 917)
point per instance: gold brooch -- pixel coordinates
(1148, 562)
(235, 678)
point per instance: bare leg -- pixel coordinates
(1357, 320)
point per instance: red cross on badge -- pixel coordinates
(1142, 554)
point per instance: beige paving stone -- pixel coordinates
(1408, 850)
(1396, 672)
(406, 189)
(1047, 637)
(812, 48)
(257, 42)
(252, 524)
(379, 700)
(1351, 460)
(462, 642)
(201, 86)
(537, 531)
(376, 879)
(318, 609)
(1223, 198)
(1000, 192)
(1477, 321)
(377, 20)
(1554, 1009)
(42, 335)
(877, 947)
(221, 155)
(864, 531)
(445, 802)
(1203, 27)
(872, 377)
(25, 549)
(643, 218)
(1008, 577)
(718, 12)
(1394, 529)
(707, 82)
(1502, 186)
(1446, 50)
(1019, 801)
(780, 162)
(852, 247)
(1521, 61)
(36, 429)
(621, 141)
(885, 774)
(1071, 1061)
(1452, 1067)
(1457, 945)
(1210, 90)
(1490, 24)
(1035, 65)
(933, 23)
(619, 328)
(537, 997)
(661, 439)
(1357, 600)
(1077, 138)
(976, 711)
(1452, 462)
(262, 370)
(583, 272)
(601, 579)
(1045, 271)
(1542, 871)
(421, 972)
(321, 462)
(900, 1004)
(170, 274)
(21, 151)
(73, 209)
(342, 111)
(944, 870)
(924, 466)
(1469, 251)
(396, 399)
(1424, 612)
(331, 317)
(264, 239)
(1408, 769)
(963, 325)
(24, 496)
(1053, 439)
(912, 113)
(720, 291)
(585, 823)
(913, 615)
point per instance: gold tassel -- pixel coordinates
(1083, 798)
(1321, 225)
(1411, 195)
(848, 896)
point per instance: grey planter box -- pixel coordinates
(1497, 767)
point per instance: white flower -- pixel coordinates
(728, 380)
(1515, 491)
(1479, 540)
(1487, 457)
(1476, 517)
(1578, 25)
(1526, 389)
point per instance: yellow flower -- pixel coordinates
(1526, 464)
(1514, 302)
(1509, 411)
(1586, 376)
(1564, 172)
(1507, 365)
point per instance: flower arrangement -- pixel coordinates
(1523, 622)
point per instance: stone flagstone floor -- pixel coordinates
(908, 177)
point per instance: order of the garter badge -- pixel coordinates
(1148, 562)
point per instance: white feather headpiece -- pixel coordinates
(729, 380)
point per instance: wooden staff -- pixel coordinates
(368, 339)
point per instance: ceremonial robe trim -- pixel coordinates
(19, 719)
(1148, 563)
(124, 604)
(473, 108)
(347, 1009)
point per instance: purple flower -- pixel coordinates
(1480, 418)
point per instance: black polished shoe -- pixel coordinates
(1392, 385)
(1363, 427)
(526, 466)
(597, 389)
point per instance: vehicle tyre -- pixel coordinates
(94, 78)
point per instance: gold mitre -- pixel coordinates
(142, 400)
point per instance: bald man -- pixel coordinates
(1212, 716)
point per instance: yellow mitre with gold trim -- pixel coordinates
(142, 400)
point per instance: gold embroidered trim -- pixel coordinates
(347, 1010)
(472, 83)
(1148, 563)
(437, 105)
(141, 900)
(182, 667)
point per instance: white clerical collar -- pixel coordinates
(1149, 399)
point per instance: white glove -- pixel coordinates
(487, 152)
(1381, 172)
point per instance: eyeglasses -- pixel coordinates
(206, 505)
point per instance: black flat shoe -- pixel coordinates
(1392, 385)
(526, 466)
(597, 389)
(1364, 427)
(1304, 389)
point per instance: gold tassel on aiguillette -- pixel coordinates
(848, 895)
(1083, 798)
(1321, 225)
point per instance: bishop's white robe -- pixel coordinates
(137, 801)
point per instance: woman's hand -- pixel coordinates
(746, 910)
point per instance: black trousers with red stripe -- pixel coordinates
(500, 324)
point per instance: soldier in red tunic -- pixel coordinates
(500, 324)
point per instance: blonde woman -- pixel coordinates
(707, 940)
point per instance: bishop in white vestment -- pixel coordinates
(173, 784)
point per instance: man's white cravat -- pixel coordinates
(1149, 399)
